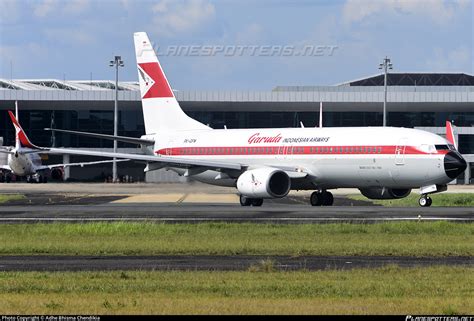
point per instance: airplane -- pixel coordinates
(24, 159)
(382, 162)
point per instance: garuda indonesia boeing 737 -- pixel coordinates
(382, 162)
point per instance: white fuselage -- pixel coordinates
(334, 157)
(24, 164)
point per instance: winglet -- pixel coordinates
(450, 134)
(21, 138)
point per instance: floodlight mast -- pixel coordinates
(117, 62)
(385, 65)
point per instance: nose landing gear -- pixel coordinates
(425, 201)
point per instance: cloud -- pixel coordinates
(455, 60)
(9, 11)
(45, 8)
(250, 34)
(440, 11)
(174, 17)
(75, 36)
(21, 58)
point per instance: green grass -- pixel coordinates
(388, 290)
(459, 199)
(124, 238)
(4, 198)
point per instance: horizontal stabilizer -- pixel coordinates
(131, 140)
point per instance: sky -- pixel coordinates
(236, 44)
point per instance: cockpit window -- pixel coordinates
(445, 147)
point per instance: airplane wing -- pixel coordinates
(165, 160)
(132, 140)
(81, 164)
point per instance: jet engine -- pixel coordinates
(383, 193)
(265, 182)
(57, 174)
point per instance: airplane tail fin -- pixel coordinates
(450, 134)
(161, 110)
(21, 140)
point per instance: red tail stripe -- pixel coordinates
(160, 88)
(449, 132)
(24, 141)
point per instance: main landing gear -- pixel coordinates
(246, 201)
(425, 201)
(323, 198)
(36, 179)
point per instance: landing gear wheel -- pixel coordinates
(425, 201)
(328, 199)
(316, 199)
(430, 201)
(257, 201)
(245, 201)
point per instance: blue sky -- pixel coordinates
(72, 39)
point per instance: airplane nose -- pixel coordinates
(454, 164)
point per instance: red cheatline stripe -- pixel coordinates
(293, 150)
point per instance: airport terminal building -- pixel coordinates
(417, 100)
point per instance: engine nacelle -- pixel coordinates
(57, 174)
(381, 193)
(265, 182)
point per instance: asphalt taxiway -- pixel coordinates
(217, 263)
(197, 213)
(195, 203)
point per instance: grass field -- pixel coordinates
(392, 290)
(10, 197)
(442, 199)
(121, 238)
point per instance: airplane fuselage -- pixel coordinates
(24, 164)
(335, 157)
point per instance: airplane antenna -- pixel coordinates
(301, 124)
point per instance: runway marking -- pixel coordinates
(180, 198)
(151, 198)
(211, 198)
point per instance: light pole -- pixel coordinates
(385, 65)
(117, 62)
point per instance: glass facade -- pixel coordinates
(131, 123)
(97, 121)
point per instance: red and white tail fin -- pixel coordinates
(450, 134)
(161, 110)
(21, 140)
